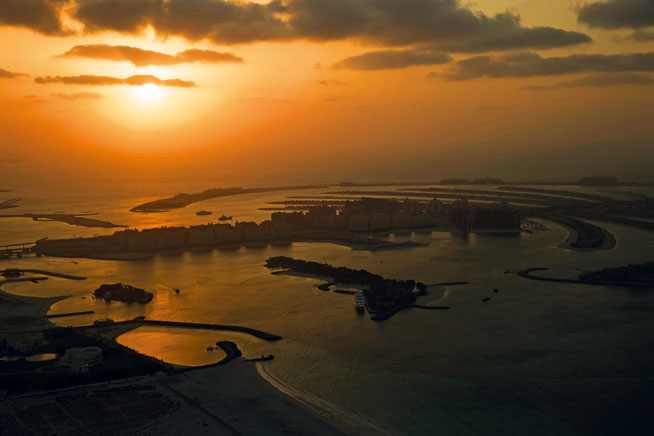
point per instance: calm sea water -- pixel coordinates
(538, 358)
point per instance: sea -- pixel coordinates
(538, 358)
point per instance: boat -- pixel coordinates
(359, 302)
(225, 218)
(203, 213)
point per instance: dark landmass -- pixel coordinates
(557, 192)
(124, 293)
(183, 200)
(598, 181)
(118, 362)
(320, 224)
(527, 274)
(231, 350)
(633, 273)
(8, 204)
(584, 236)
(74, 220)
(480, 181)
(383, 296)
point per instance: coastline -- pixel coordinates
(609, 242)
(236, 394)
(345, 421)
(142, 255)
(19, 313)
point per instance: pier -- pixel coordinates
(18, 250)
(198, 326)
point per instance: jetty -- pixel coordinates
(18, 250)
(198, 326)
(16, 272)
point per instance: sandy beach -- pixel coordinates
(18, 313)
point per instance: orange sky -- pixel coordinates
(287, 106)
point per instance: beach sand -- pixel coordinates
(22, 314)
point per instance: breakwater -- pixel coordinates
(527, 274)
(198, 326)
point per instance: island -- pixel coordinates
(182, 200)
(82, 220)
(124, 293)
(629, 276)
(384, 297)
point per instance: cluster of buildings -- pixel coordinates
(365, 215)
(21, 342)
(77, 360)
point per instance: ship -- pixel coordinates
(359, 302)
(203, 213)
(225, 218)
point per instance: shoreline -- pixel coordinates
(345, 421)
(142, 255)
(25, 313)
(608, 243)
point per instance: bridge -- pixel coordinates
(18, 250)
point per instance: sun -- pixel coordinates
(149, 93)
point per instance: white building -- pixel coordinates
(81, 359)
(21, 342)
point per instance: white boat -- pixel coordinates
(359, 301)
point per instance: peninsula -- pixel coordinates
(384, 297)
(182, 200)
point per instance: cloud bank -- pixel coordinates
(531, 64)
(615, 14)
(602, 80)
(141, 58)
(392, 59)
(4, 74)
(107, 80)
(442, 24)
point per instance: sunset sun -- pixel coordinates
(148, 93)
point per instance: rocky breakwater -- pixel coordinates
(124, 293)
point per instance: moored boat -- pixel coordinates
(359, 301)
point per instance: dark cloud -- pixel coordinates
(107, 80)
(601, 80)
(392, 59)
(79, 96)
(393, 23)
(141, 58)
(39, 15)
(615, 14)
(4, 74)
(531, 64)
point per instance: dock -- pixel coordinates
(18, 250)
